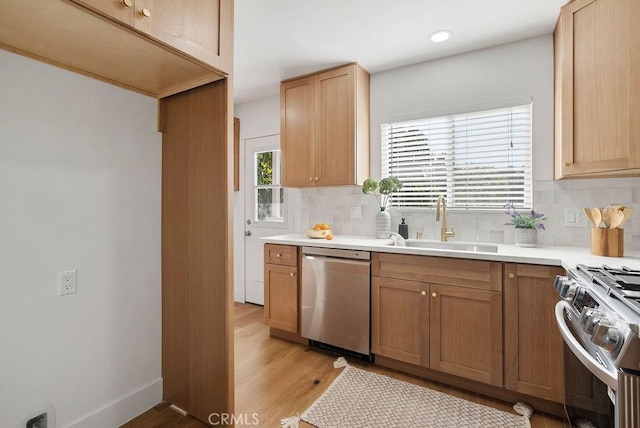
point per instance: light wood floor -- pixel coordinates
(276, 378)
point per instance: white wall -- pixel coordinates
(80, 186)
(521, 69)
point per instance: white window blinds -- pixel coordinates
(477, 160)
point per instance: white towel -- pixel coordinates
(398, 240)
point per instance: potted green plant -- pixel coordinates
(526, 226)
(382, 191)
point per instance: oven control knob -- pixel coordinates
(569, 291)
(566, 287)
(590, 319)
(558, 284)
(579, 298)
(607, 336)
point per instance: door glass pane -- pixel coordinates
(268, 195)
(264, 168)
(270, 204)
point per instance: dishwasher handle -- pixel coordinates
(336, 253)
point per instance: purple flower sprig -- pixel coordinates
(522, 221)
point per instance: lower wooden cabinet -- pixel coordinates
(281, 287)
(465, 327)
(533, 345)
(452, 329)
(400, 320)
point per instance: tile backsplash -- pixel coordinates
(333, 205)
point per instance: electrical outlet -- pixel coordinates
(67, 283)
(44, 418)
(356, 212)
(575, 217)
(39, 421)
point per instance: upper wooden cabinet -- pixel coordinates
(121, 10)
(324, 128)
(196, 27)
(533, 345)
(177, 47)
(597, 89)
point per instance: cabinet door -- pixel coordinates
(533, 345)
(198, 27)
(281, 297)
(399, 320)
(297, 136)
(335, 127)
(466, 333)
(597, 88)
(117, 9)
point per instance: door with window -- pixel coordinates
(267, 210)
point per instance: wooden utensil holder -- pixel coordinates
(607, 242)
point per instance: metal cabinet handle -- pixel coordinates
(145, 12)
(434, 294)
(277, 254)
(127, 3)
(292, 274)
(424, 293)
(512, 275)
(247, 233)
(316, 178)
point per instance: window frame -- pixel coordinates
(277, 185)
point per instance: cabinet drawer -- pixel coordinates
(281, 254)
(480, 274)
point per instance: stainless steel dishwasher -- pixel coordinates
(336, 295)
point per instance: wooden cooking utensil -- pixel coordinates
(627, 215)
(616, 219)
(606, 216)
(597, 216)
(587, 212)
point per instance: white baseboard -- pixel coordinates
(124, 409)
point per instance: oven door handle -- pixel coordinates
(609, 378)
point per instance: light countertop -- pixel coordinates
(567, 257)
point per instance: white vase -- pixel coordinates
(525, 237)
(383, 224)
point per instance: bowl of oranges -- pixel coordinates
(320, 231)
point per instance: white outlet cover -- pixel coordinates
(67, 282)
(51, 417)
(575, 217)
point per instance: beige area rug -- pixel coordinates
(358, 398)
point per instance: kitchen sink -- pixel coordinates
(457, 246)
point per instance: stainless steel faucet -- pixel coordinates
(444, 233)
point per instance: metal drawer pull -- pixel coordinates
(424, 293)
(434, 294)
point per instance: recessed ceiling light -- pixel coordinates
(440, 36)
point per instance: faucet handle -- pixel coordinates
(450, 233)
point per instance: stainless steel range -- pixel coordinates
(599, 319)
